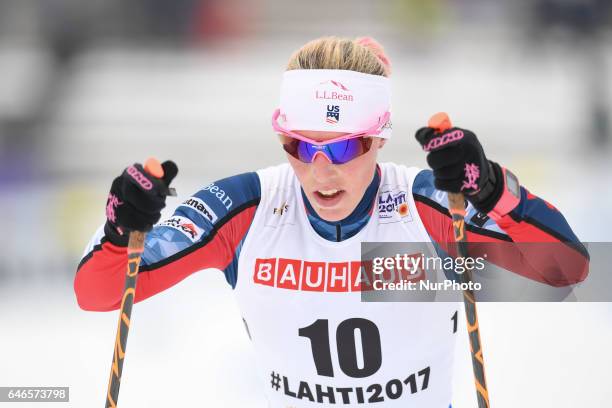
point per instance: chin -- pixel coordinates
(332, 214)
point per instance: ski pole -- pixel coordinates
(134, 251)
(441, 122)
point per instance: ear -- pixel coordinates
(382, 143)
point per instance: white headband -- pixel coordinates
(334, 100)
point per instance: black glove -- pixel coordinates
(460, 166)
(135, 201)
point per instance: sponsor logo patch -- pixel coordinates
(319, 276)
(281, 209)
(201, 208)
(221, 195)
(184, 225)
(393, 206)
(333, 91)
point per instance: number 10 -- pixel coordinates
(318, 333)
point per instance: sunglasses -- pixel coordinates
(338, 150)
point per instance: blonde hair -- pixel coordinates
(362, 54)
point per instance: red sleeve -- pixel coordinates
(100, 278)
(526, 247)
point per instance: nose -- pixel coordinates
(322, 167)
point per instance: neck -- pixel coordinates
(351, 225)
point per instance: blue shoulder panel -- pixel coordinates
(197, 217)
(543, 215)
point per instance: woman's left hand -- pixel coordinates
(460, 165)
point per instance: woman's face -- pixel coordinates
(334, 190)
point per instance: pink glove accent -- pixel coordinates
(510, 198)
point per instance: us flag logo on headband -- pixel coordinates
(333, 114)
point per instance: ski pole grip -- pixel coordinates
(136, 238)
(154, 168)
(441, 122)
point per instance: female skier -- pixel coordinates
(288, 238)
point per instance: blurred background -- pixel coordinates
(87, 88)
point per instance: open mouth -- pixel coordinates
(328, 193)
(328, 197)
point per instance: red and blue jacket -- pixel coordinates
(222, 212)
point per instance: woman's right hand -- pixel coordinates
(135, 201)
